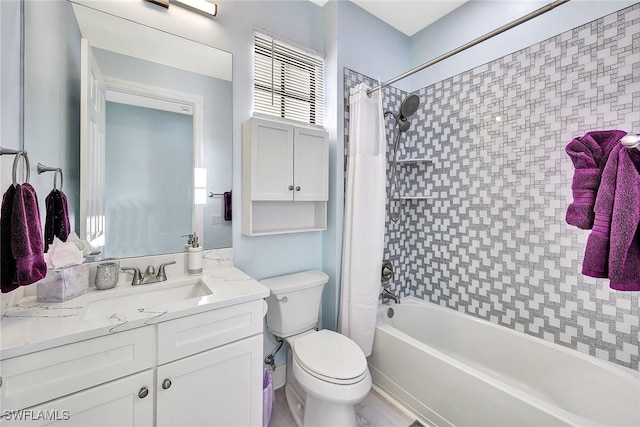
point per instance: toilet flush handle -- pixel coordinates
(283, 299)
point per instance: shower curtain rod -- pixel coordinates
(535, 13)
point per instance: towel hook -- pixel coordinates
(43, 168)
(21, 154)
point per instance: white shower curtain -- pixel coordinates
(364, 218)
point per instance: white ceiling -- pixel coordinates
(408, 16)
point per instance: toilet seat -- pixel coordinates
(331, 357)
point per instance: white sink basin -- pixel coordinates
(145, 298)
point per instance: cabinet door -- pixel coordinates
(271, 160)
(219, 387)
(117, 403)
(311, 165)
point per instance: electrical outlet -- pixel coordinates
(216, 219)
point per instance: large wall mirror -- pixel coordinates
(139, 121)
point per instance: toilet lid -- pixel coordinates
(330, 355)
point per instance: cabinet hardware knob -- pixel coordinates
(143, 392)
(298, 188)
(166, 383)
(290, 187)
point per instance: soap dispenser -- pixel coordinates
(194, 255)
(189, 241)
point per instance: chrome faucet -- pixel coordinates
(387, 294)
(150, 275)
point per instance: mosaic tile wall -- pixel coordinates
(493, 242)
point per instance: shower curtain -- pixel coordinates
(364, 218)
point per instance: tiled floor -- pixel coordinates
(374, 411)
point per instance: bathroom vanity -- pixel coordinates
(187, 351)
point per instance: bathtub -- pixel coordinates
(452, 369)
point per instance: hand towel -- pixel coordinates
(589, 155)
(26, 236)
(613, 247)
(7, 261)
(227, 205)
(57, 218)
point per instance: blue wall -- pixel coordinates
(9, 79)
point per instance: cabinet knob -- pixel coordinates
(143, 392)
(290, 187)
(298, 188)
(166, 383)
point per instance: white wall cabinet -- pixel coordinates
(285, 183)
(206, 370)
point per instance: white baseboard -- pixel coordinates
(279, 376)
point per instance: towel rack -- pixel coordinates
(19, 154)
(43, 168)
(4, 151)
(631, 141)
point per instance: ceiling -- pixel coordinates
(407, 16)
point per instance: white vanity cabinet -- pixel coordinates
(214, 388)
(79, 378)
(203, 369)
(285, 178)
(219, 383)
(116, 403)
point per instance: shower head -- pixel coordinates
(403, 124)
(408, 108)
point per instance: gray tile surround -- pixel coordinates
(493, 243)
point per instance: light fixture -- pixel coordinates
(204, 6)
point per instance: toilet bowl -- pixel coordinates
(332, 372)
(327, 372)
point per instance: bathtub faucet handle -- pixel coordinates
(387, 271)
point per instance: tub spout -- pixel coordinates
(387, 294)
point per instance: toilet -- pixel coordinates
(327, 372)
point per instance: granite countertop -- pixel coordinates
(30, 326)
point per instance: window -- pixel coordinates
(287, 82)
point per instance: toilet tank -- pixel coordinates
(294, 302)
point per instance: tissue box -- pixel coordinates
(62, 284)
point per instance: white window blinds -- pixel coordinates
(287, 82)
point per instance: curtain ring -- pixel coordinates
(27, 167)
(55, 179)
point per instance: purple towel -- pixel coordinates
(227, 205)
(7, 261)
(613, 248)
(26, 236)
(57, 218)
(589, 154)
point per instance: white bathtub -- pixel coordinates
(453, 369)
